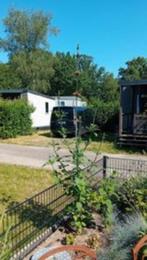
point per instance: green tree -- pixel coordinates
(8, 77)
(26, 42)
(64, 82)
(90, 76)
(99, 87)
(136, 69)
(105, 102)
(35, 69)
(26, 31)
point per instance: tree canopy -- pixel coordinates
(97, 86)
(26, 42)
(64, 80)
(136, 69)
(8, 77)
(26, 31)
(34, 69)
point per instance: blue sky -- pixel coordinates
(111, 31)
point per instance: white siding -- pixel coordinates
(40, 117)
(69, 101)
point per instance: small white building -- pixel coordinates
(43, 104)
(70, 101)
(43, 108)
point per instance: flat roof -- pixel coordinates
(21, 91)
(25, 90)
(133, 82)
(67, 97)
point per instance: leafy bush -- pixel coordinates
(105, 111)
(15, 118)
(103, 198)
(127, 197)
(132, 196)
(123, 237)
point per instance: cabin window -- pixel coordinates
(46, 107)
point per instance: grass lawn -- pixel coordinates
(18, 183)
(104, 143)
(107, 143)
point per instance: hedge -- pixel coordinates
(15, 118)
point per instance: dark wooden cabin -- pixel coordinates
(133, 113)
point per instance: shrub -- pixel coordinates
(123, 237)
(127, 197)
(131, 196)
(15, 118)
(103, 198)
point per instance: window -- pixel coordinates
(62, 103)
(46, 107)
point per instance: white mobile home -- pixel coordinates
(43, 105)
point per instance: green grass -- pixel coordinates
(104, 143)
(108, 143)
(18, 183)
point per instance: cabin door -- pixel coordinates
(140, 116)
(127, 109)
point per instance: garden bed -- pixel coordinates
(95, 237)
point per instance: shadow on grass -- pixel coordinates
(32, 214)
(26, 222)
(104, 138)
(46, 134)
(5, 199)
(57, 136)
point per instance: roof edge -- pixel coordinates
(22, 91)
(133, 82)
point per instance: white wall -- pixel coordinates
(39, 117)
(69, 101)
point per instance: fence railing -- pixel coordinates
(31, 218)
(34, 219)
(124, 167)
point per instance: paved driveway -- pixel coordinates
(30, 155)
(37, 156)
(24, 155)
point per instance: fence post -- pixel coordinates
(105, 166)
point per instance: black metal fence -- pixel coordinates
(33, 220)
(124, 167)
